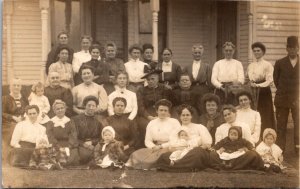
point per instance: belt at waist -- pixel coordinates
(258, 82)
(227, 83)
(159, 142)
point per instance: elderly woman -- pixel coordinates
(226, 72)
(13, 110)
(135, 68)
(197, 158)
(88, 131)
(88, 87)
(115, 64)
(54, 91)
(63, 67)
(260, 76)
(212, 118)
(61, 133)
(101, 68)
(247, 115)
(229, 112)
(126, 129)
(186, 94)
(171, 71)
(82, 56)
(157, 137)
(121, 91)
(25, 136)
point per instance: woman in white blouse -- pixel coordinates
(121, 91)
(135, 68)
(260, 76)
(197, 158)
(247, 115)
(24, 137)
(157, 140)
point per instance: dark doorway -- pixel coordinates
(109, 23)
(226, 24)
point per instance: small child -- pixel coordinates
(183, 140)
(37, 97)
(109, 152)
(270, 152)
(44, 156)
(232, 147)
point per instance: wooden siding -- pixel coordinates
(191, 23)
(26, 40)
(274, 22)
(4, 51)
(243, 33)
(133, 29)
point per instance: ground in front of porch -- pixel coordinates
(15, 177)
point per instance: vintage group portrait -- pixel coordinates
(150, 93)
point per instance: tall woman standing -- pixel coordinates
(260, 75)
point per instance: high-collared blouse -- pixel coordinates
(227, 71)
(79, 58)
(135, 70)
(261, 71)
(65, 71)
(252, 118)
(27, 132)
(131, 99)
(82, 90)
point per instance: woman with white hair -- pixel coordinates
(60, 131)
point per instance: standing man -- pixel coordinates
(63, 39)
(286, 79)
(199, 72)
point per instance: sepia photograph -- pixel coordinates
(150, 93)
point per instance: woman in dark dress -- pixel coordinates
(126, 129)
(260, 76)
(212, 117)
(100, 67)
(60, 132)
(88, 131)
(171, 71)
(197, 158)
(13, 110)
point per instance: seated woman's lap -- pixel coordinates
(196, 159)
(21, 156)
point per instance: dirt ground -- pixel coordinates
(16, 177)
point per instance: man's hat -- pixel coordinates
(151, 72)
(292, 41)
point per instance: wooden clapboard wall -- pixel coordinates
(26, 40)
(189, 23)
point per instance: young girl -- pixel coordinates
(44, 156)
(232, 147)
(270, 152)
(109, 152)
(184, 141)
(37, 98)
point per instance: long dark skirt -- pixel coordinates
(20, 157)
(7, 131)
(142, 123)
(251, 160)
(195, 160)
(266, 109)
(80, 155)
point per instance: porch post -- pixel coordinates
(155, 10)
(251, 31)
(8, 14)
(44, 6)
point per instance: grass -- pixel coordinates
(104, 178)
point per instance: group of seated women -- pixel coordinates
(139, 115)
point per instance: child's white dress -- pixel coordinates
(179, 154)
(270, 154)
(43, 103)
